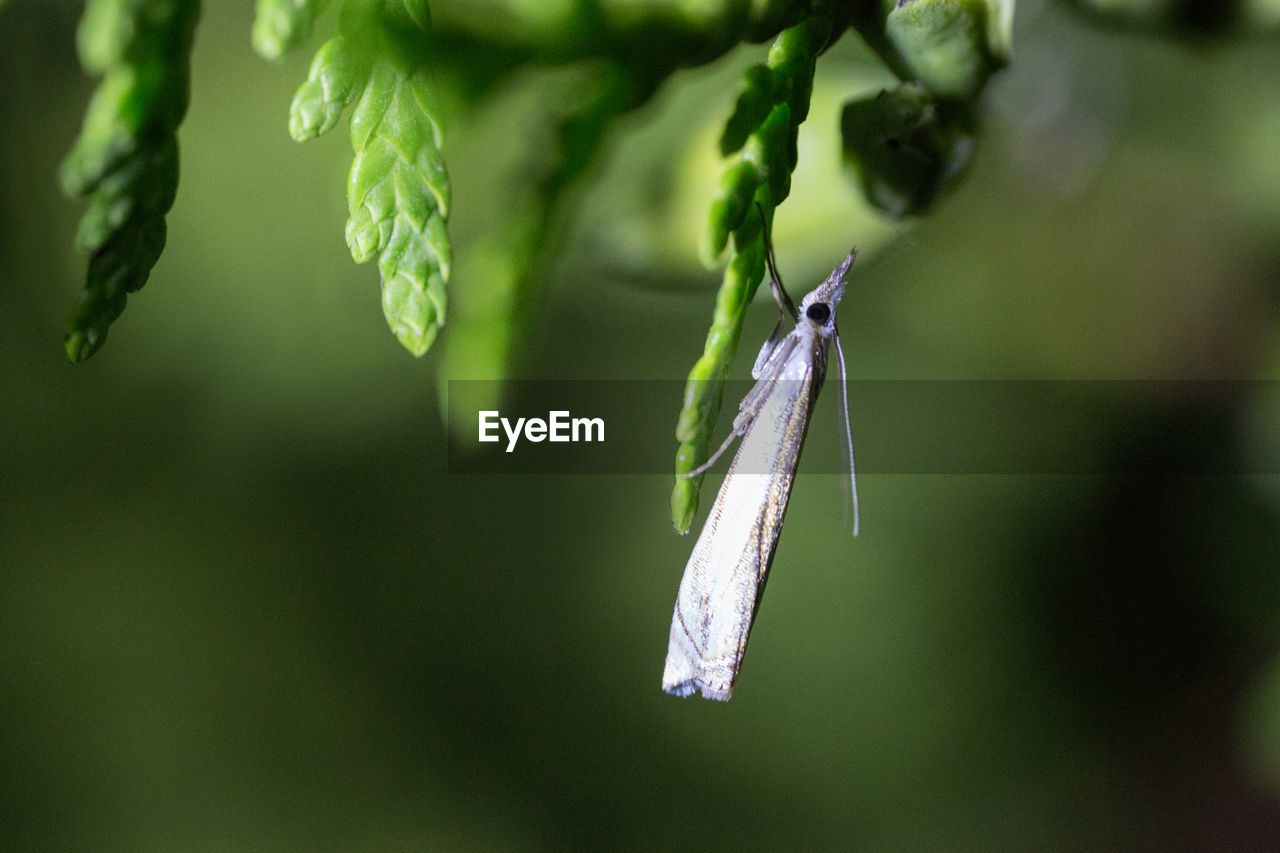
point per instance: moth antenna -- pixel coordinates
(841, 271)
(848, 431)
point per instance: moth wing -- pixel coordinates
(725, 577)
(766, 375)
(766, 350)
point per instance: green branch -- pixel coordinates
(398, 191)
(126, 158)
(281, 25)
(762, 130)
(688, 32)
(486, 330)
(908, 146)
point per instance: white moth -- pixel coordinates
(725, 577)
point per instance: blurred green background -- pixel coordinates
(243, 605)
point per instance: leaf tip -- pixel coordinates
(684, 504)
(82, 343)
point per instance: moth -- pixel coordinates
(725, 577)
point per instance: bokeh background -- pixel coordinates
(244, 605)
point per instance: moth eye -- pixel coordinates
(818, 312)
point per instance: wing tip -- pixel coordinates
(690, 686)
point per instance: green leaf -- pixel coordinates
(398, 192)
(704, 389)
(408, 14)
(762, 130)
(338, 75)
(506, 265)
(755, 101)
(904, 148)
(281, 25)
(398, 195)
(947, 44)
(738, 187)
(126, 157)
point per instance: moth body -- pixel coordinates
(725, 577)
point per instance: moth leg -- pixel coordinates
(714, 456)
(785, 305)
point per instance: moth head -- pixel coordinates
(819, 306)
